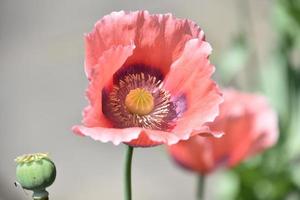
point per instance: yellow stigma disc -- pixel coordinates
(139, 101)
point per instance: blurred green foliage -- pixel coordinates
(276, 173)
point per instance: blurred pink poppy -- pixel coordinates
(149, 80)
(249, 125)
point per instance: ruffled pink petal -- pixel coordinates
(116, 29)
(192, 64)
(203, 106)
(110, 61)
(194, 123)
(137, 137)
(155, 36)
(114, 135)
(143, 141)
(162, 136)
(190, 76)
(154, 137)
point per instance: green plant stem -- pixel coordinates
(44, 198)
(128, 191)
(200, 188)
(40, 195)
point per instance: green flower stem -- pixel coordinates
(40, 195)
(200, 188)
(43, 198)
(128, 192)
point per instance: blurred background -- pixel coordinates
(256, 48)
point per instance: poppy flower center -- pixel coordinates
(137, 98)
(139, 101)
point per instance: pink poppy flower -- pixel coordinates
(149, 80)
(249, 126)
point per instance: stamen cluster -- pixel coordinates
(161, 113)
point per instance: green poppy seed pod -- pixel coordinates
(35, 172)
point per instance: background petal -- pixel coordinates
(186, 154)
(249, 124)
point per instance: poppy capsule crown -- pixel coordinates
(149, 80)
